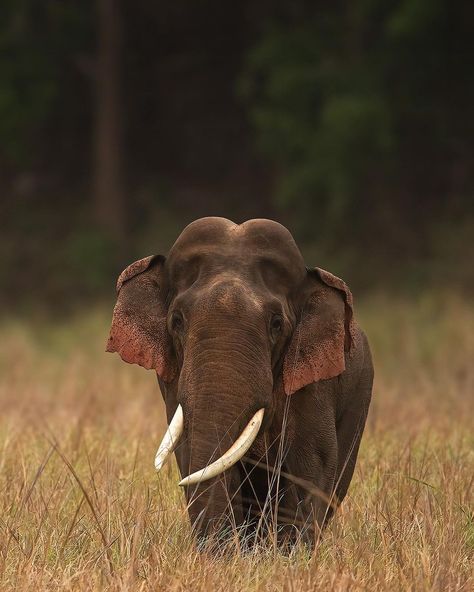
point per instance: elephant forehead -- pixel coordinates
(256, 240)
(231, 293)
(225, 293)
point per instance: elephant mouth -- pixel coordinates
(224, 462)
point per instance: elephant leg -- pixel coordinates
(214, 506)
(269, 503)
(350, 426)
(306, 487)
(256, 502)
(215, 509)
(311, 461)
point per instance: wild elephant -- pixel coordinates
(266, 376)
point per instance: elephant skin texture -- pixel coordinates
(232, 322)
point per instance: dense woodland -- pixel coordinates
(350, 122)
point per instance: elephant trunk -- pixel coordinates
(223, 395)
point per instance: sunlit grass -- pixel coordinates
(81, 507)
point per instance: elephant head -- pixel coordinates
(233, 323)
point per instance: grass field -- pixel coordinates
(81, 507)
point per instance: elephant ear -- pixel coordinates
(324, 333)
(139, 333)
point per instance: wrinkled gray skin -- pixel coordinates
(223, 285)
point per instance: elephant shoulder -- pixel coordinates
(355, 383)
(359, 357)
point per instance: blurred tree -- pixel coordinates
(366, 109)
(109, 189)
(361, 112)
(42, 94)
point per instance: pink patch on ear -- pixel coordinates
(135, 347)
(309, 360)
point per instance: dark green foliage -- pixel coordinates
(365, 107)
(40, 54)
(350, 122)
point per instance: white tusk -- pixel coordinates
(170, 439)
(229, 458)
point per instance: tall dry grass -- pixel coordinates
(81, 507)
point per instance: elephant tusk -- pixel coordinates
(170, 439)
(233, 455)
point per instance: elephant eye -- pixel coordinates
(177, 321)
(276, 324)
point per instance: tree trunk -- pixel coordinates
(109, 192)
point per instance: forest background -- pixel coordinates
(349, 122)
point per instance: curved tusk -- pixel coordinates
(170, 439)
(229, 458)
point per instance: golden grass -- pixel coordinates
(81, 507)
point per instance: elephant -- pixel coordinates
(265, 374)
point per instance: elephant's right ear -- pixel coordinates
(138, 332)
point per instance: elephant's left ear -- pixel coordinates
(324, 333)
